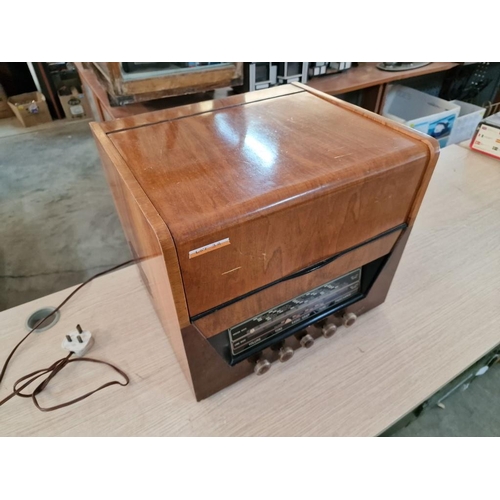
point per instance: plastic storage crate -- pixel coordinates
(426, 113)
(466, 123)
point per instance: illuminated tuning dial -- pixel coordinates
(285, 353)
(307, 341)
(329, 330)
(262, 366)
(349, 318)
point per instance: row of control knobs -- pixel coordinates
(285, 353)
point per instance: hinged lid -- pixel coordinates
(254, 191)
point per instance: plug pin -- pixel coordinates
(68, 338)
(79, 328)
(79, 339)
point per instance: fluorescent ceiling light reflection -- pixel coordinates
(225, 129)
(263, 151)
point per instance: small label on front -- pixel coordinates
(209, 248)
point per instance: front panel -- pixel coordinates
(210, 360)
(273, 323)
(272, 326)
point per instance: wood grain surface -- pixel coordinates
(431, 144)
(189, 109)
(129, 197)
(441, 315)
(226, 317)
(151, 244)
(295, 168)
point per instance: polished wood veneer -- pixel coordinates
(255, 175)
(230, 198)
(220, 320)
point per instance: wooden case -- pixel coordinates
(235, 206)
(126, 88)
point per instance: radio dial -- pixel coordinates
(307, 341)
(329, 330)
(285, 353)
(262, 366)
(348, 319)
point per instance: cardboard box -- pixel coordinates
(5, 111)
(466, 123)
(75, 104)
(431, 115)
(487, 137)
(30, 108)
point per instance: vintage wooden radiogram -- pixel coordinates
(263, 222)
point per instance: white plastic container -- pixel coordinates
(428, 114)
(466, 123)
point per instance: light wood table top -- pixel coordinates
(441, 315)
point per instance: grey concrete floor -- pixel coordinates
(58, 226)
(473, 412)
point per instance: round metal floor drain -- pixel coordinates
(40, 314)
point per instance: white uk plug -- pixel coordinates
(78, 342)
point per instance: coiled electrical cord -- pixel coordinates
(58, 365)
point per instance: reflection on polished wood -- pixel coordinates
(265, 174)
(195, 109)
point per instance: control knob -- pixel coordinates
(285, 353)
(307, 341)
(329, 330)
(262, 366)
(348, 319)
